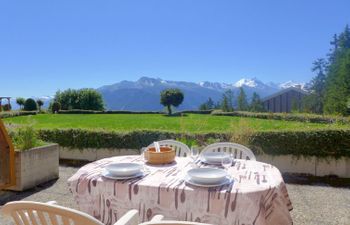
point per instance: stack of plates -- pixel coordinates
(120, 171)
(213, 157)
(207, 177)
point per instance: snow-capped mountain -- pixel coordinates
(143, 94)
(292, 84)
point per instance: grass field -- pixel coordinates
(193, 123)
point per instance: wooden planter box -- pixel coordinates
(36, 166)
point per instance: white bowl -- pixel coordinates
(213, 157)
(123, 169)
(207, 175)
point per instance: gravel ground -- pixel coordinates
(315, 203)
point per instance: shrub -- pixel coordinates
(312, 118)
(40, 103)
(25, 138)
(16, 113)
(30, 105)
(20, 101)
(55, 107)
(80, 111)
(88, 99)
(6, 107)
(243, 133)
(209, 111)
(320, 143)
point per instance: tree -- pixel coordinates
(86, 99)
(256, 105)
(337, 89)
(227, 101)
(230, 96)
(209, 104)
(171, 97)
(314, 101)
(40, 103)
(20, 101)
(30, 105)
(55, 107)
(90, 99)
(242, 100)
(224, 104)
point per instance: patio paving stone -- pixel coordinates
(316, 203)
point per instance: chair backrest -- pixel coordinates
(181, 149)
(173, 222)
(238, 151)
(35, 213)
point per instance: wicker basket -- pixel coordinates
(166, 155)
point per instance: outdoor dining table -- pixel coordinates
(257, 195)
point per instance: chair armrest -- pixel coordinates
(51, 202)
(157, 218)
(129, 218)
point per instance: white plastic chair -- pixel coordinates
(36, 213)
(173, 222)
(158, 220)
(238, 151)
(181, 149)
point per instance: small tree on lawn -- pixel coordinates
(40, 103)
(20, 101)
(55, 107)
(30, 105)
(171, 97)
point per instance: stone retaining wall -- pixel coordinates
(285, 163)
(36, 166)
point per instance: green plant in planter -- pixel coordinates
(190, 142)
(25, 138)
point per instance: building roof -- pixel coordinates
(284, 91)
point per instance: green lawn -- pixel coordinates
(193, 123)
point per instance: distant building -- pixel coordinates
(284, 100)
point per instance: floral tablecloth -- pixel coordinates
(257, 196)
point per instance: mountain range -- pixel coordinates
(143, 94)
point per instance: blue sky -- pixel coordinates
(51, 45)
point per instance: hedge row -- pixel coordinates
(198, 111)
(312, 118)
(17, 113)
(320, 143)
(80, 111)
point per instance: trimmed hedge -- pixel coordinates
(80, 111)
(198, 111)
(17, 113)
(312, 118)
(320, 143)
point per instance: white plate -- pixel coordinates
(203, 160)
(207, 175)
(225, 181)
(123, 169)
(108, 175)
(213, 157)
